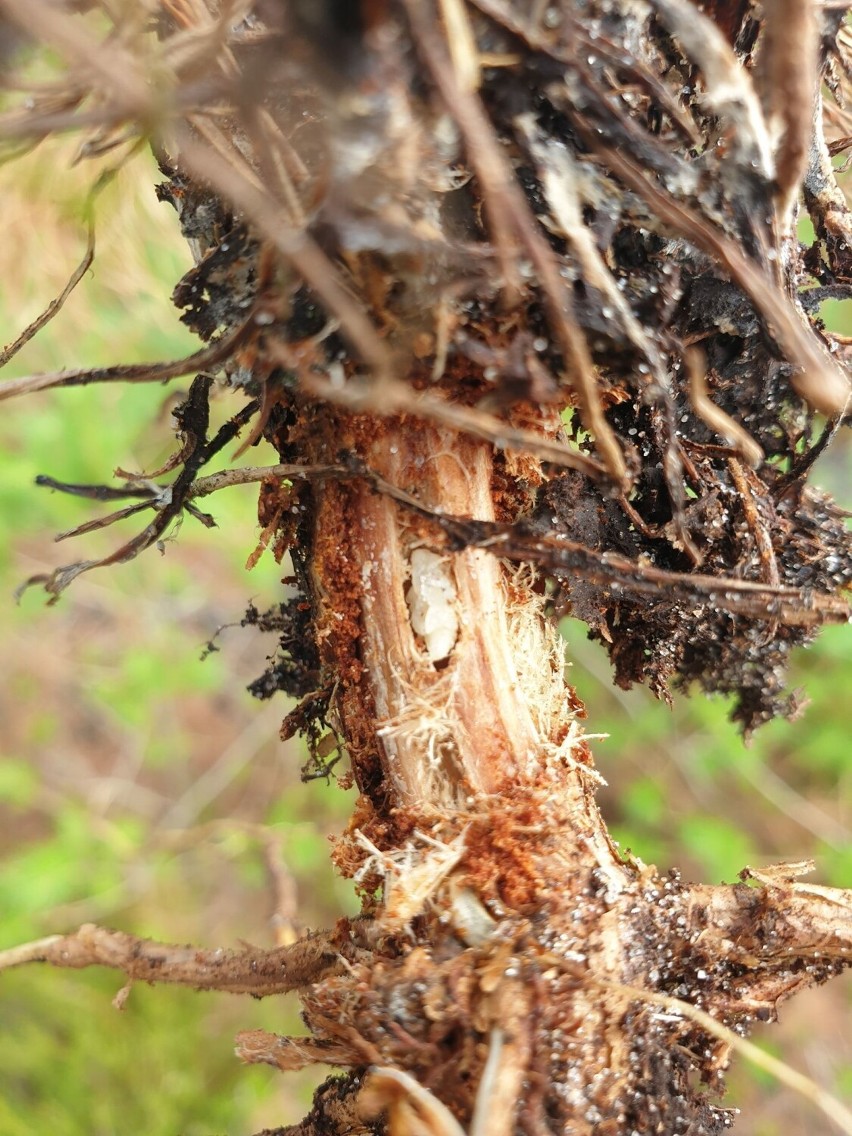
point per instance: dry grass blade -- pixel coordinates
(462, 43)
(790, 61)
(828, 1104)
(559, 181)
(55, 305)
(511, 217)
(116, 69)
(494, 175)
(818, 379)
(315, 268)
(728, 90)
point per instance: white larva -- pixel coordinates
(432, 603)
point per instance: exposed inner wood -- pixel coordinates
(533, 936)
(466, 725)
(399, 223)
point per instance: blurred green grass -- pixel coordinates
(134, 779)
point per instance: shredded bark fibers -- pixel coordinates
(629, 223)
(515, 291)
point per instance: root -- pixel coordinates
(249, 971)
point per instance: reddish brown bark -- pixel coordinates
(447, 268)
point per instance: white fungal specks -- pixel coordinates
(432, 603)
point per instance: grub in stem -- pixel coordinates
(463, 282)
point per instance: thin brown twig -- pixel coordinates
(204, 486)
(223, 144)
(713, 415)
(570, 559)
(768, 600)
(250, 971)
(315, 268)
(398, 398)
(260, 1047)
(817, 378)
(509, 211)
(55, 305)
(209, 356)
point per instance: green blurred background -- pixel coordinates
(144, 789)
